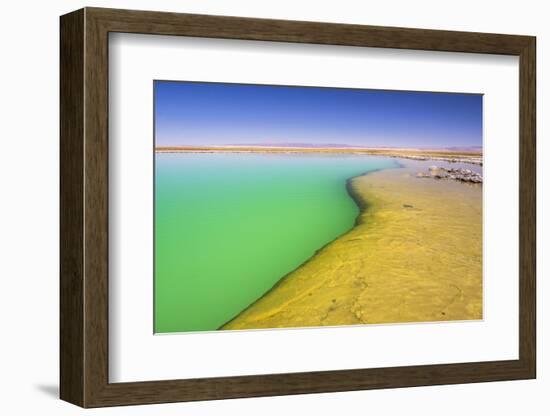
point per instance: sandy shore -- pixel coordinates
(415, 255)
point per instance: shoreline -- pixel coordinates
(469, 157)
(362, 205)
(340, 284)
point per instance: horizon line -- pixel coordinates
(317, 146)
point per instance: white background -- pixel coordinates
(29, 208)
(136, 355)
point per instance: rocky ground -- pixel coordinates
(458, 174)
(474, 160)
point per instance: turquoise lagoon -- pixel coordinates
(228, 226)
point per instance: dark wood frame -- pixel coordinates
(84, 207)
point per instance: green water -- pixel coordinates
(228, 226)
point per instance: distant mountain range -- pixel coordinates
(310, 145)
(464, 148)
(354, 146)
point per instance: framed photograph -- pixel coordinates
(257, 207)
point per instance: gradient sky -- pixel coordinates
(188, 113)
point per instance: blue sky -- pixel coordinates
(189, 113)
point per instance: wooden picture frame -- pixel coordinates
(84, 207)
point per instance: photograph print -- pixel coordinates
(291, 207)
